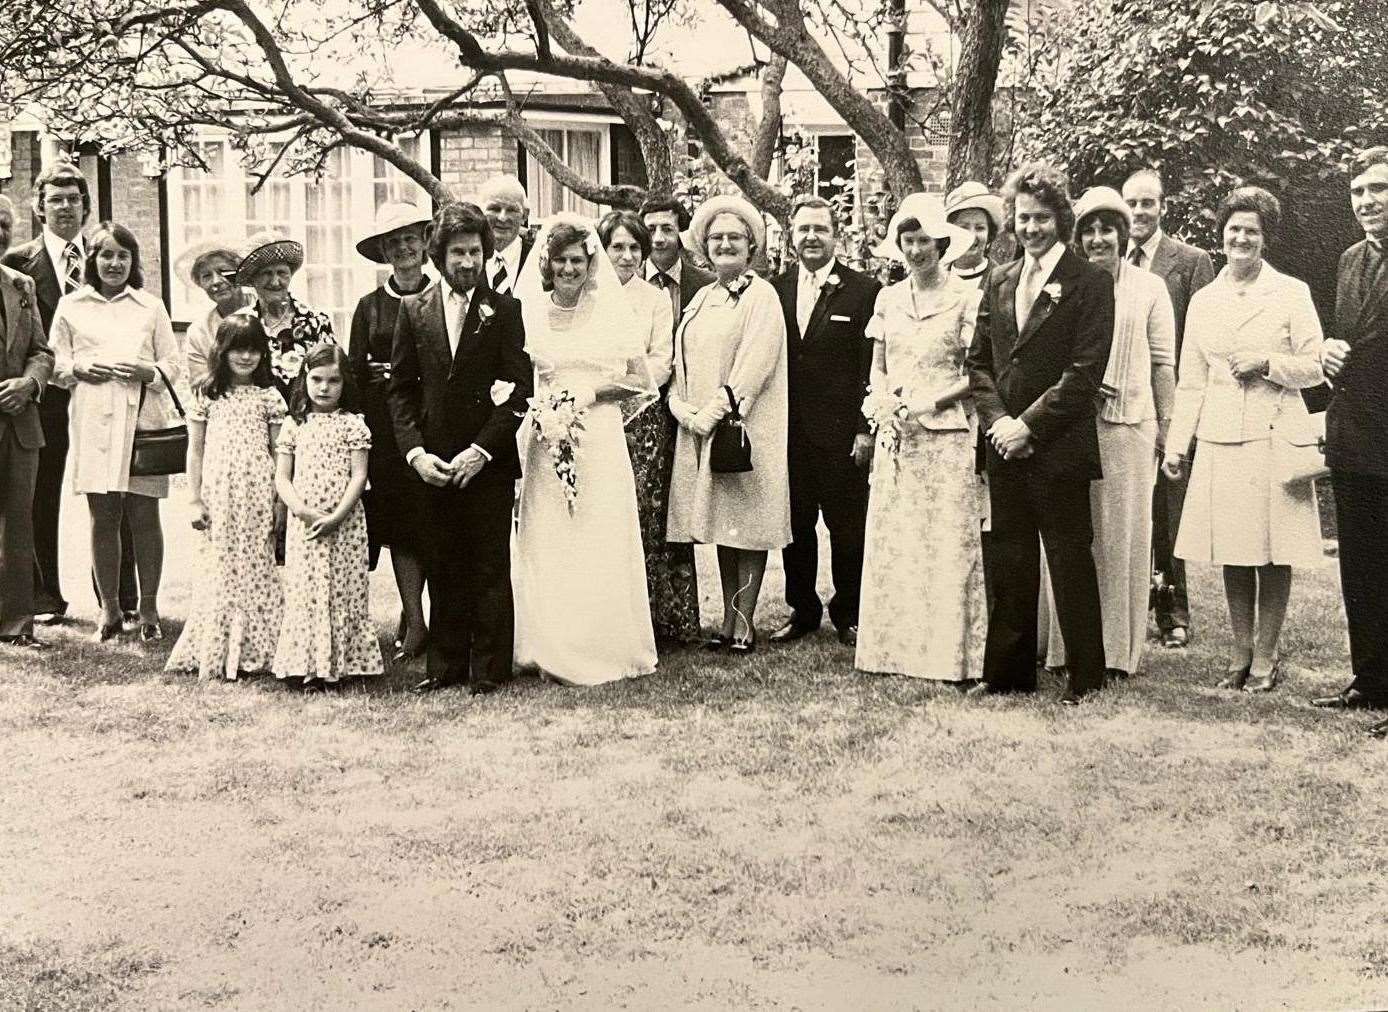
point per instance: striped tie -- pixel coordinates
(72, 268)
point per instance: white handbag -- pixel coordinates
(1302, 461)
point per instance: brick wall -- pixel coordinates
(135, 204)
(468, 157)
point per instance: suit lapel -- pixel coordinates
(45, 275)
(1044, 304)
(789, 292)
(1372, 302)
(10, 295)
(1011, 276)
(1165, 259)
(821, 305)
(469, 335)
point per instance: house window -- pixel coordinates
(582, 149)
(834, 160)
(327, 215)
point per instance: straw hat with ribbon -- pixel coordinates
(390, 218)
(268, 249)
(929, 211)
(973, 195)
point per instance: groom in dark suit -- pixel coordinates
(459, 383)
(826, 308)
(1356, 437)
(1037, 360)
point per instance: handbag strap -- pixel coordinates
(167, 386)
(732, 402)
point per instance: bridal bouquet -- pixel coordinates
(887, 413)
(558, 421)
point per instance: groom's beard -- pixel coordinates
(464, 279)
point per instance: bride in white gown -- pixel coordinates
(577, 569)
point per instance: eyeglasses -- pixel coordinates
(62, 200)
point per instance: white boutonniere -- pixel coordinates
(501, 392)
(485, 312)
(832, 282)
(739, 284)
(1054, 291)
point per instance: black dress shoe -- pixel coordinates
(59, 617)
(1234, 678)
(848, 636)
(1379, 730)
(431, 685)
(716, 643)
(1349, 699)
(482, 688)
(24, 641)
(792, 631)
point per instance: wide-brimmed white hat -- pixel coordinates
(974, 195)
(929, 210)
(1102, 198)
(726, 203)
(389, 218)
(267, 249)
(187, 261)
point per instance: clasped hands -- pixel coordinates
(457, 472)
(1011, 438)
(16, 393)
(104, 372)
(1334, 355)
(704, 420)
(319, 523)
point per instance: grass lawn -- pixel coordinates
(773, 832)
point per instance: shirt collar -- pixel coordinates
(88, 292)
(816, 278)
(57, 246)
(674, 272)
(456, 297)
(511, 254)
(1048, 260)
(1149, 248)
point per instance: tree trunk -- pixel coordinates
(971, 112)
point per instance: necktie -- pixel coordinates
(1136, 256)
(499, 279)
(806, 296)
(455, 332)
(72, 268)
(1375, 257)
(663, 280)
(1027, 292)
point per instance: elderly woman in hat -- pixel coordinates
(977, 210)
(268, 264)
(1139, 391)
(730, 349)
(396, 511)
(923, 610)
(210, 266)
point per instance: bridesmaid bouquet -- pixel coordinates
(557, 421)
(887, 413)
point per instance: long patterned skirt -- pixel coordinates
(670, 579)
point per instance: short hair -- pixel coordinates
(123, 238)
(239, 330)
(658, 202)
(813, 200)
(914, 225)
(1257, 200)
(1044, 183)
(614, 220)
(1150, 174)
(459, 218)
(992, 226)
(747, 224)
(327, 353)
(561, 237)
(62, 174)
(503, 186)
(1367, 159)
(198, 263)
(1110, 219)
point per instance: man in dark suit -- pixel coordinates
(1185, 270)
(1035, 368)
(1356, 437)
(459, 383)
(827, 308)
(503, 201)
(25, 365)
(670, 267)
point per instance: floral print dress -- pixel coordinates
(235, 621)
(327, 632)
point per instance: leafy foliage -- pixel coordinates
(1221, 93)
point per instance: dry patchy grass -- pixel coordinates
(779, 831)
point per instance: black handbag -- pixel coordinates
(731, 450)
(160, 451)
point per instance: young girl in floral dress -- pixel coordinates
(327, 633)
(235, 418)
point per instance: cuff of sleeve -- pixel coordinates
(413, 453)
(479, 450)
